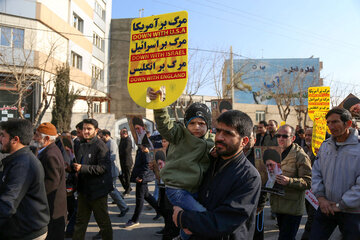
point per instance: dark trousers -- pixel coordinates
(56, 229)
(71, 216)
(166, 209)
(142, 193)
(288, 226)
(323, 226)
(100, 209)
(310, 210)
(125, 177)
(259, 226)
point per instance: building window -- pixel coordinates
(96, 107)
(260, 116)
(12, 37)
(76, 60)
(97, 73)
(98, 42)
(78, 23)
(99, 10)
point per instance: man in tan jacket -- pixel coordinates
(296, 178)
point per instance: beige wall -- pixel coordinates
(49, 18)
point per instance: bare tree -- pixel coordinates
(28, 67)
(281, 89)
(340, 90)
(199, 76)
(301, 95)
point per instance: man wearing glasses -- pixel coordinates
(295, 178)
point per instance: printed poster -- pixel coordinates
(219, 106)
(268, 163)
(319, 131)
(318, 100)
(158, 58)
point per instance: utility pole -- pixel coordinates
(232, 78)
(141, 12)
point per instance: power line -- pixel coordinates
(248, 26)
(272, 22)
(128, 41)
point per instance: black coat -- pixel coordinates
(24, 210)
(230, 193)
(94, 178)
(125, 148)
(141, 168)
(53, 162)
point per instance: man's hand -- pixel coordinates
(77, 167)
(152, 94)
(138, 180)
(335, 208)
(282, 180)
(67, 167)
(175, 214)
(187, 231)
(326, 206)
(144, 149)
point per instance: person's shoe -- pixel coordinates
(126, 192)
(158, 215)
(123, 213)
(131, 224)
(160, 233)
(97, 236)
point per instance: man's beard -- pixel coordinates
(229, 150)
(6, 148)
(35, 144)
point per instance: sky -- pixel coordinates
(325, 29)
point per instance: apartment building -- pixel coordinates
(38, 36)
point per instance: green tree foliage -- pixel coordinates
(64, 99)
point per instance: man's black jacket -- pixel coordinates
(125, 148)
(24, 211)
(94, 178)
(141, 167)
(230, 193)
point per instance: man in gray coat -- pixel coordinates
(336, 179)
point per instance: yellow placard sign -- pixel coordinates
(318, 100)
(158, 58)
(319, 131)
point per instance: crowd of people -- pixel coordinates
(208, 186)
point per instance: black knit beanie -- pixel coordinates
(196, 110)
(351, 102)
(271, 154)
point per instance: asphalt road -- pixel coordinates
(148, 227)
